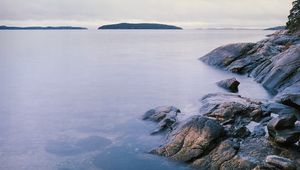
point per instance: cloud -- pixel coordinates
(192, 13)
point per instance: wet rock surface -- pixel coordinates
(165, 116)
(193, 139)
(218, 137)
(235, 132)
(229, 84)
(273, 62)
(230, 108)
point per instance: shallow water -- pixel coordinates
(73, 99)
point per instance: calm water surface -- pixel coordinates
(73, 100)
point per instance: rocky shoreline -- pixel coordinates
(235, 132)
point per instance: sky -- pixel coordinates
(184, 13)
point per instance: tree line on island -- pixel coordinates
(112, 26)
(292, 25)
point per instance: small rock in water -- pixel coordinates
(230, 84)
(166, 116)
(159, 113)
(280, 162)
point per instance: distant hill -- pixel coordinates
(277, 28)
(41, 28)
(139, 26)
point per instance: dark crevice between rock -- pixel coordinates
(290, 103)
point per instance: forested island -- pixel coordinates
(140, 26)
(3, 27)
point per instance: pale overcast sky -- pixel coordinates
(185, 13)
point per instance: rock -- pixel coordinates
(266, 120)
(259, 131)
(225, 55)
(231, 131)
(284, 69)
(166, 116)
(225, 151)
(229, 84)
(282, 129)
(252, 153)
(280, 162)
(278, 108)
(194, 138)
(286, 136)
(273, 62)
(241, 132)
(282, 122)
(224, 107)
(159, 113)
(290, 96)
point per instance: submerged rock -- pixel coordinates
(159, 113)
(166, 116)
(229, 84)
(280, 162)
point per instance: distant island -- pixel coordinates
(277, 28)
(139, 26)
(226, 28)
(3, 27)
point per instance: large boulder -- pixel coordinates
(192, 140)
(229, 84)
